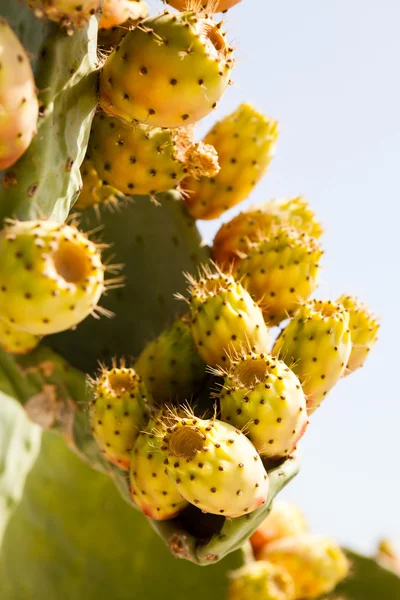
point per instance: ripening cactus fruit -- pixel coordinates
(214, 466)
(316, 345)
(245, 142)
(69, 13)
(264, 398)
(260, 581)
(145, 160)
(170, 365)
(284, 520)
(116, 12)
(51, 276)
(15, 341)
(18, 102)
(208, 6)
(150, 486)
(118, 411)
(316, 564)
(94, 191)
(234, 237)
(168, 72)
(364, 328)
(280, 271)
(224, 318)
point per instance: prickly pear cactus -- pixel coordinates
(102, 476)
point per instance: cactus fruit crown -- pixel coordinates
(169, 71)
(68, 13)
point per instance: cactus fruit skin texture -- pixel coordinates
(15, 341)
(116, 12)
(245, 142)
(364, 328)
(224, 318)
(170, 365)
(214, 466)
(69, 13)
(316, 345)
(233, 238)
(316, 564)
(209, 6)
(262, 396)
(93, 192)
(118, 411)
(151, 488)
(169, 71)
(284, 520)
(281, 271)
(18, 102)
(261, 580)
(51, 276)
(145, 160)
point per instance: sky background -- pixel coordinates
(329, 72)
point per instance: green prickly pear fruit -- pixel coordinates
(15, 341)
(146, 160)
(364, 328)
(233, 238)
(151, 488)
(316, 564)
(214, 466)
(118, 411)
(18, 102)
(264, 398)
(280, 271)
(116, 12)
(224, 318)
(170, 365)
(68, 13)
(316, 345)
(261, 580)
(245, 142)
(51, 276)
(170, 71)
(284, 520)
(94, 192)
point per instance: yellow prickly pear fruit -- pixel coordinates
(316, 564)
(116, 12)
(387, 556)
(15, 341)
(146, 160)
(284, 520)
(263, 397)
(151, 488)
(316, 345)
(51, 276)
(224, 318)
(245, 142)
(18, 102)
(208, 6)
(214, 465)
(364, 328)
(118, 411)
(261, 580)
(93, 192)
(280, 272)
(69, 13)
(170, 71)
(170, 365)
(233, 238)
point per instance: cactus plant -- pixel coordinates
(81, 458)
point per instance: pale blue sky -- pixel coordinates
(329, 72)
